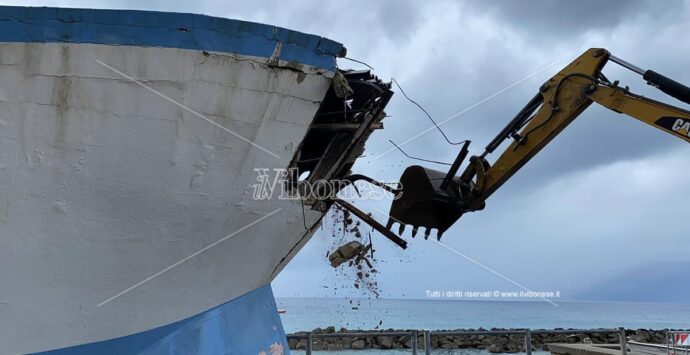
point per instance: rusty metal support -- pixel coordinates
(372, 222)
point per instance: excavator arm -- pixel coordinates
(435, 200)
(564, 97)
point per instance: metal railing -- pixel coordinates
(675, 346)
(414, 335)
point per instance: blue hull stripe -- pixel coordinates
(163, 29)
(246, 325)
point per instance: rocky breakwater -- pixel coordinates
(377, 339)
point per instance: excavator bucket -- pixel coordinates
(427, 201)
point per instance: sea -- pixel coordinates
(303, 314)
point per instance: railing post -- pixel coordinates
(621, 335)
(413, 341)
(427, 342)
(309, 342)
(528, 342)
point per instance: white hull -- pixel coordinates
(104, 183)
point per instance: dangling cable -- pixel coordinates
(360, 62)
(427, 115)
(411, 157)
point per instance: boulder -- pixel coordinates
(385, 342)
(318, 344)
(494, 348)
(301, 345)
(405, 342)
(358, 344)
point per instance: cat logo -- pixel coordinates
(681, 126)
(678, 125)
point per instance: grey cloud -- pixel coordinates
(562, 19)
(398, 19)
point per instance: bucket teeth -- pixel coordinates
(389, 225)
(429, 200)
(438, 236)
(401, 229)
(414, 231)
(427, 232)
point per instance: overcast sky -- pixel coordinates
(603, 201)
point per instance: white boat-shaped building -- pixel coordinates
(128, 147)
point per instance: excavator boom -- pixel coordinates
(435, 200)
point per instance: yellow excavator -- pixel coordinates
(432, 199)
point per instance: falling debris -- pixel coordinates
(352, 257)
(349, 251)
